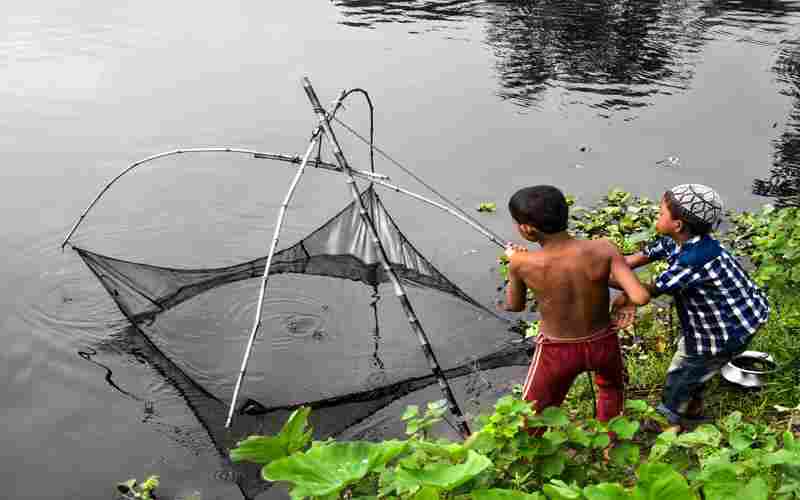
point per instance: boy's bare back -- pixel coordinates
(570, 281)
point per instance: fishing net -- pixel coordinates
(346, 357)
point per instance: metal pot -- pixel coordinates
(735, 374)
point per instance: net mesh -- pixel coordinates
(346, 357)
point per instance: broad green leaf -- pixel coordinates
(606, 491)
(550, 417)
(662, 445)
(447, 476)
(782, 457)
(481, 442)
(660, 482)
(260, 449)
(500, 494)
(623, 427)
(552, 465)
(756, 489)
(411, 412)
(625, 454)
(741, 439)
(720, 482)
(426, 493)
(601, 441)
(559, 490)
(638, 406)
(328, 469)
(294, 430)
(704, 435)
(790, 443)
(556, 438)
(579, 436)
(732, 421)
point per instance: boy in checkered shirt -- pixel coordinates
(719, 307)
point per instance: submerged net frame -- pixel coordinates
(369, 218)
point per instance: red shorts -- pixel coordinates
(557, 362)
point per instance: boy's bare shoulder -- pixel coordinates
(601, 247)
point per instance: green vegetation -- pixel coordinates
(519, 455)
(133, 490)
(487, 206)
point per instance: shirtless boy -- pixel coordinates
(570, 280)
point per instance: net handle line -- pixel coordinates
(265, 277)
(212, 149)
(464, 216)
(414, 322)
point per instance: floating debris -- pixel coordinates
(670, 161)
(487, 206)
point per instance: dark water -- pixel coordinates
(477, 97)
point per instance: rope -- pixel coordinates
(415, 177)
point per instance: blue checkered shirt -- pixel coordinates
(715, 298)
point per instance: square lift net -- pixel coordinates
(194, 322)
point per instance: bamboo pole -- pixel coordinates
(265, 277)
(255, 154)
(414, 322)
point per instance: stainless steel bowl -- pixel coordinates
(749, 377)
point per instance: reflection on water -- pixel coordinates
(609, 55)
(784, 180)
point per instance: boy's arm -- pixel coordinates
(624, 276)
(516, 291)
(632, 261)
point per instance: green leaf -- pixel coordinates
(426, 493)
(660, 481)
(260, 449)
(550, 417)
(756, 489)
(324, 470)
(559, 490)
(552, 465)
(500, 494)
(556, 438)
(625, 454)
(663, 443)
(446, 476)
(601, 441)
(294, 431)
(623, 427)
(487, 206)
(720, 482)
(704, 435)
(606, 491)
(732, 421)
(579, 436)
(782, 457)
(741, 439)
(411, 412)
(638, 406)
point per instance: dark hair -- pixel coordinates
(543, 207)
(695, 226)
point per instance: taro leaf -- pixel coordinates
(446, 476)
(756, 489)
(639, 237)
(721, 482)
(559, 490)
(601, 441)
(732, 421)
(638, 406)
(426, 493)
(294, 430)
(259, 449)
(790, 443)
(741, 439)
(704, 435)
(625, 454)
(556, 438)
(550, 417)
(325, 470)
(264, 449)
(499, 494)
(481, 442)
(662, 445)
(606, 491)
(660, 481)
(781, 457)
(579, 436)
(552, 465)
(411, 412)
(624, 428)
(447, 450)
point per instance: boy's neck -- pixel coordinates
(549, 240)
(681, 238)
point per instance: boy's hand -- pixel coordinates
(623, 311)
(512, 248)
